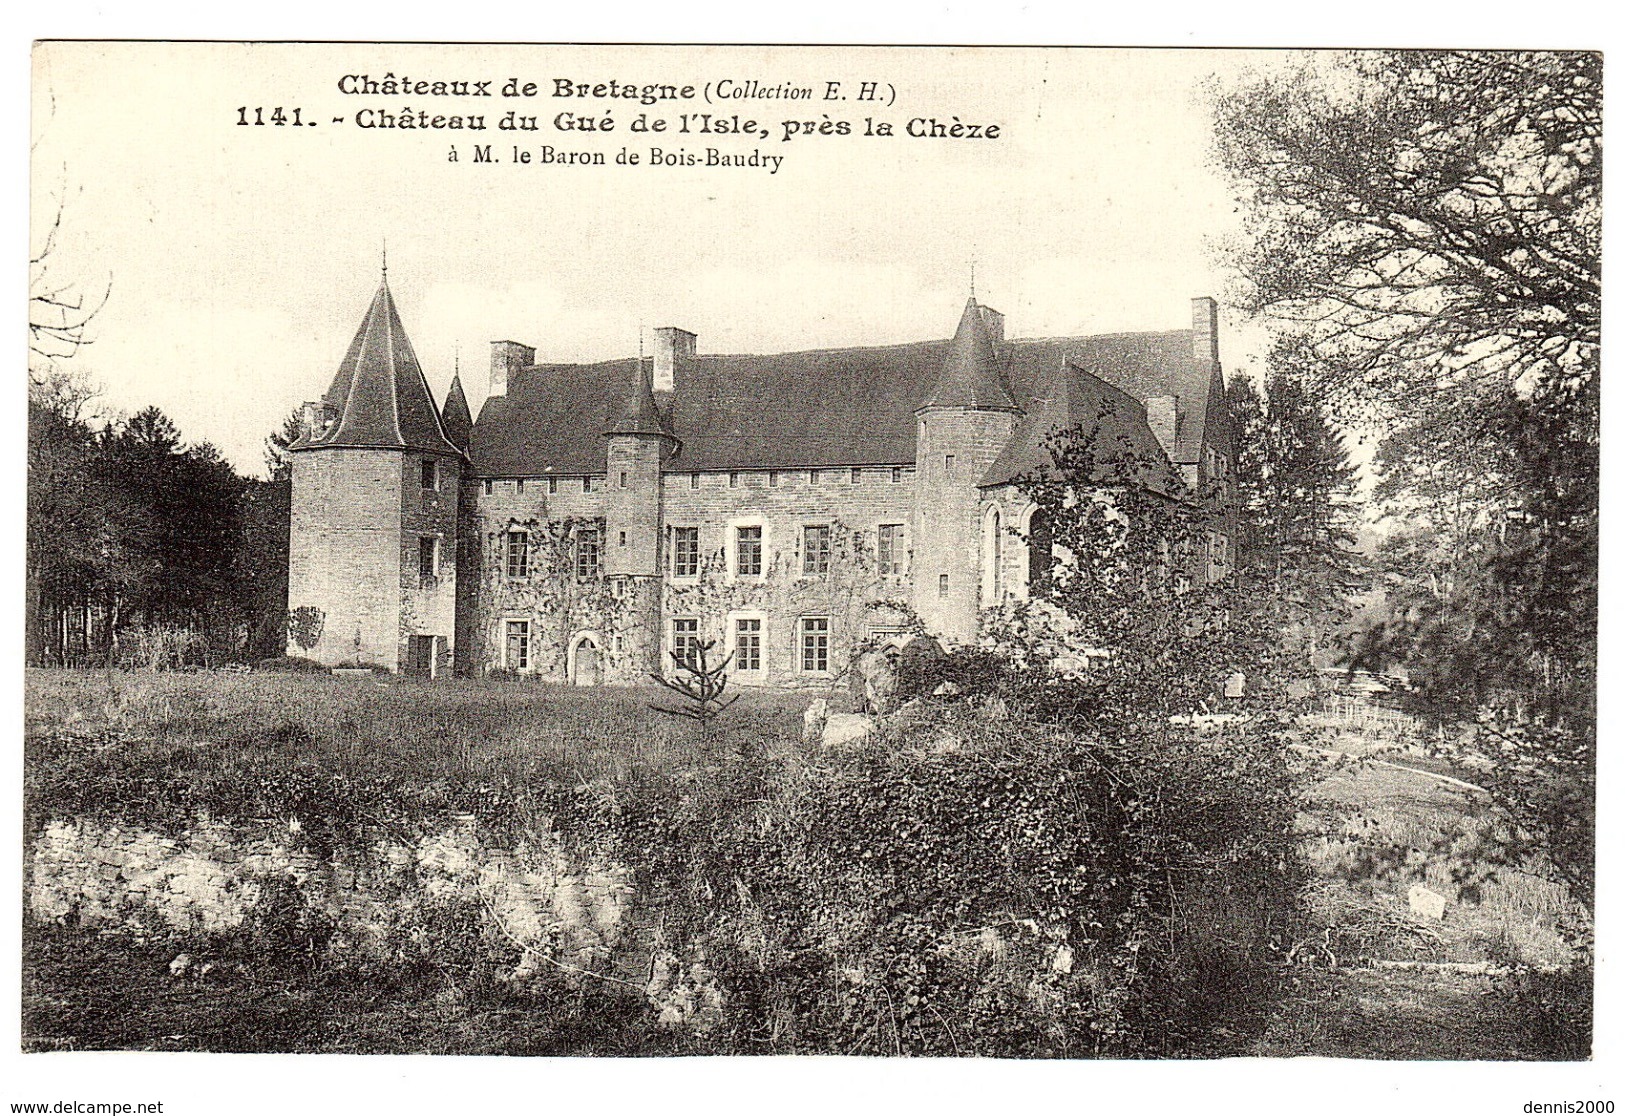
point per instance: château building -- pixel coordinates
(790, 507)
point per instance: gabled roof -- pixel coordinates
(455, 418)
(379, 395)
(971, 376)
(1122, 443)
(825, 407)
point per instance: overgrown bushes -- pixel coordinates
(970, 883)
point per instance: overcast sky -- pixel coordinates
(241, 259)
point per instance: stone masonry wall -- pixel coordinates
(345, 552)
(428, 607)
(947, 517)
(212, 878)
(854, 595)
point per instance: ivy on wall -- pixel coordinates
(854, 594)
(558, 602)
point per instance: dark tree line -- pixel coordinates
(143, 549)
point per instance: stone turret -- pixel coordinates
(637, 443)
(373, 532)
(963, 425)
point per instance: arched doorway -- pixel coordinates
(586, 666)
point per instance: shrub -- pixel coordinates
(976, 884)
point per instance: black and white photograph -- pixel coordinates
(701, 555)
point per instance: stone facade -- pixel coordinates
(703, 512)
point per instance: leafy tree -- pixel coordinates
(1137, 608)
(1423, 229)
(1425, 221)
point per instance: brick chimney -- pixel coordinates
(315, 416)
(508, 359)
(673, 347)
(1205, 330)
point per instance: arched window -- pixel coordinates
(1040, 552)
(992, 557)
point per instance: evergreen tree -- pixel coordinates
(1294, 494)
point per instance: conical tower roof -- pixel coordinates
(455, 417)
(970, 373)
(380, 395)
(636, 412)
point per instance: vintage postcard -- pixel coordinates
(684, 553)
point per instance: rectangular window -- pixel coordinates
(685, 552)
(942, 585)
(587, 552)
(815, 644)
(622, 540)
(623, 478)
(617, 587)
(773, 479)
(685, 640)
(814, 476)
(428, 560)
(857, 475)
(586, 484)
(694, 480)
(733, 480)
(518, 554)
(747, 644)
(815, 549)
(890, 548)
(430, 474)
(519, 486)
(896, 474)
(516, 645)
(748, 551)
(488, 486)
(552, 486)
(948, 464)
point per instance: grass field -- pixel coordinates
(405, 728)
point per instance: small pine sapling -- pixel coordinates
(700, 684)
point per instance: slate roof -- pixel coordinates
(455, 418)
(1072, 397)
(637, 413)
(379, 394)
(820, 408)
(970, 372)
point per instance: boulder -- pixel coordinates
(1426, 903)
(812, 721)
(842, 729)
(874, 682)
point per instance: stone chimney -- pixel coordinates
(1205, 330)
(508, 359)
(994, 322)
(315, 416)
(673, 347)
(1162, 416)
